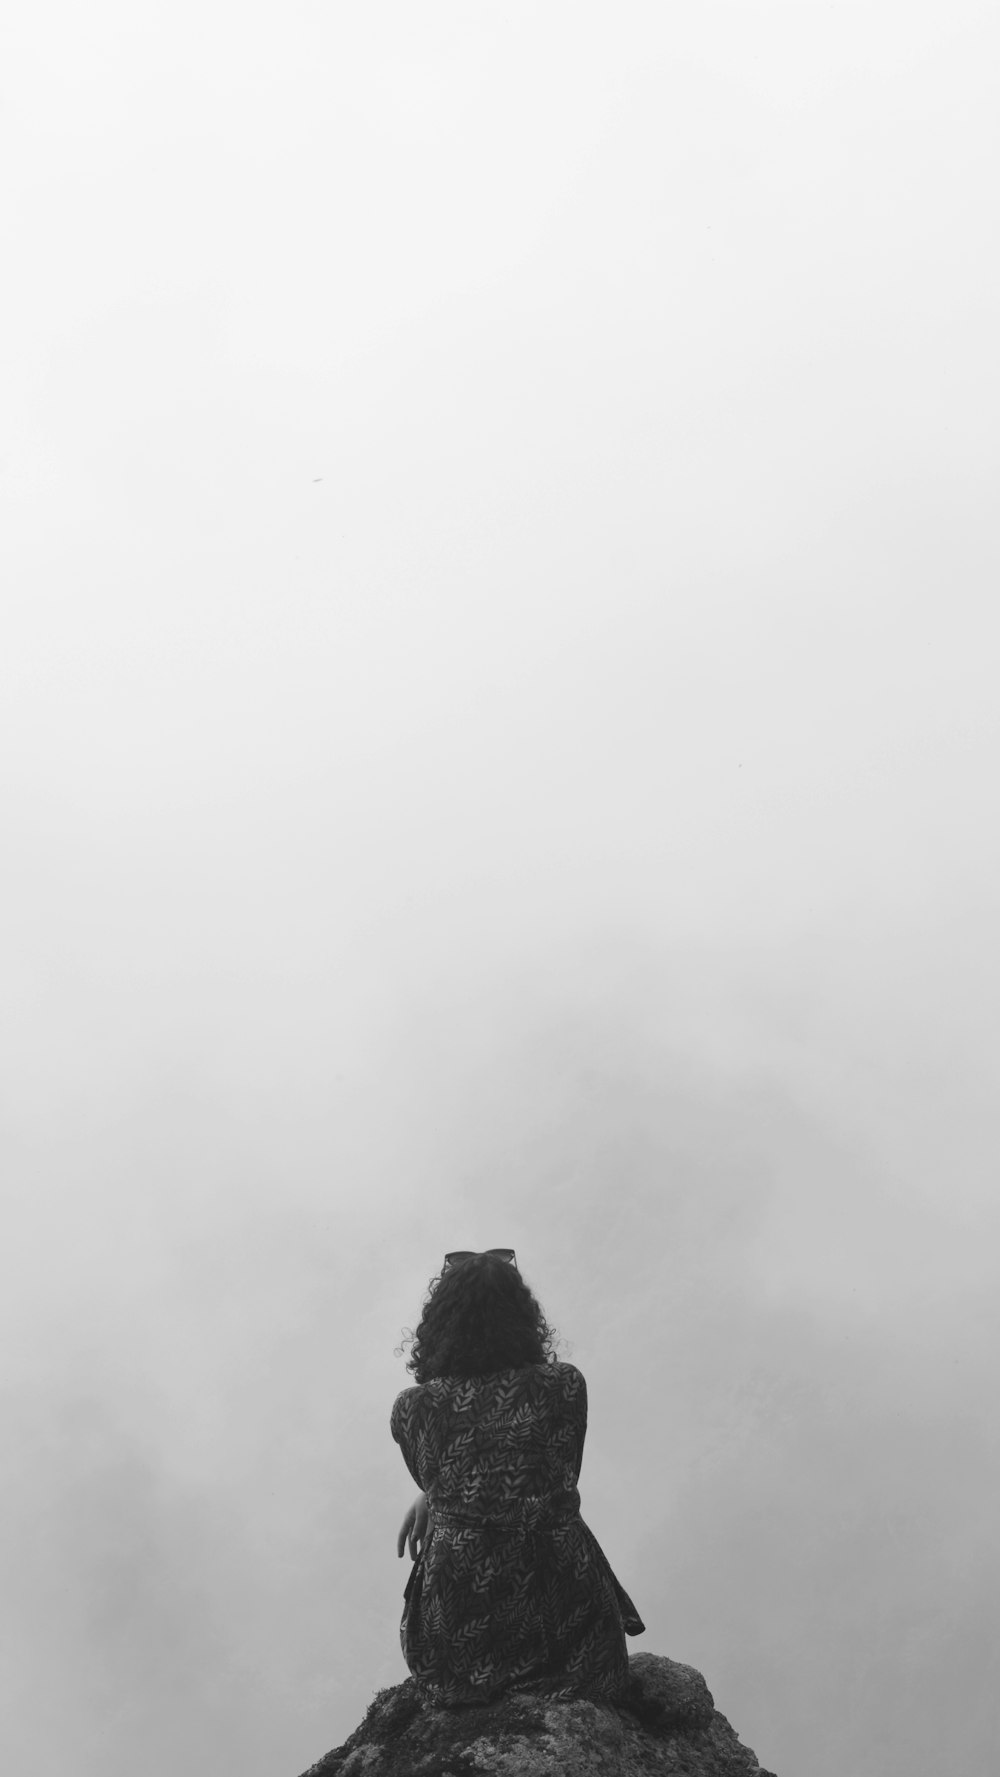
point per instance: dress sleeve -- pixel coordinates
(403, 1429)
(576, 1410)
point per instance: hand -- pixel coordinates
(414, 1527)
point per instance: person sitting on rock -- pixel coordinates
(509, 1590)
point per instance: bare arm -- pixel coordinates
(414, 1527)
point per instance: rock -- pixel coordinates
(667, 1727)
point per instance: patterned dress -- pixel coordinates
(511, 1590)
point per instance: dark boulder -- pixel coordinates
(667, 1727)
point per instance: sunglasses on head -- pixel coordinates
(492, 1252)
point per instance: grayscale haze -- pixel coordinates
(499, 744)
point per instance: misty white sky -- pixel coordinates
(498, 743)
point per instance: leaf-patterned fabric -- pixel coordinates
(511, 1590)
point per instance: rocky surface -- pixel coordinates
(669, 1727)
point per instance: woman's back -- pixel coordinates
(511, 1589)
(482, 1446)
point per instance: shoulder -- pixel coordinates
(420, 1400)
(408, 1394)
(568, 1374)
(403, 1409)
(568, 1381)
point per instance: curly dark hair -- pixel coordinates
(479, 1317)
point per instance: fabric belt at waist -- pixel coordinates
(522, 1514)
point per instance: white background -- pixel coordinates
(498, 744)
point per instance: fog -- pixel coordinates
(499, 746)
